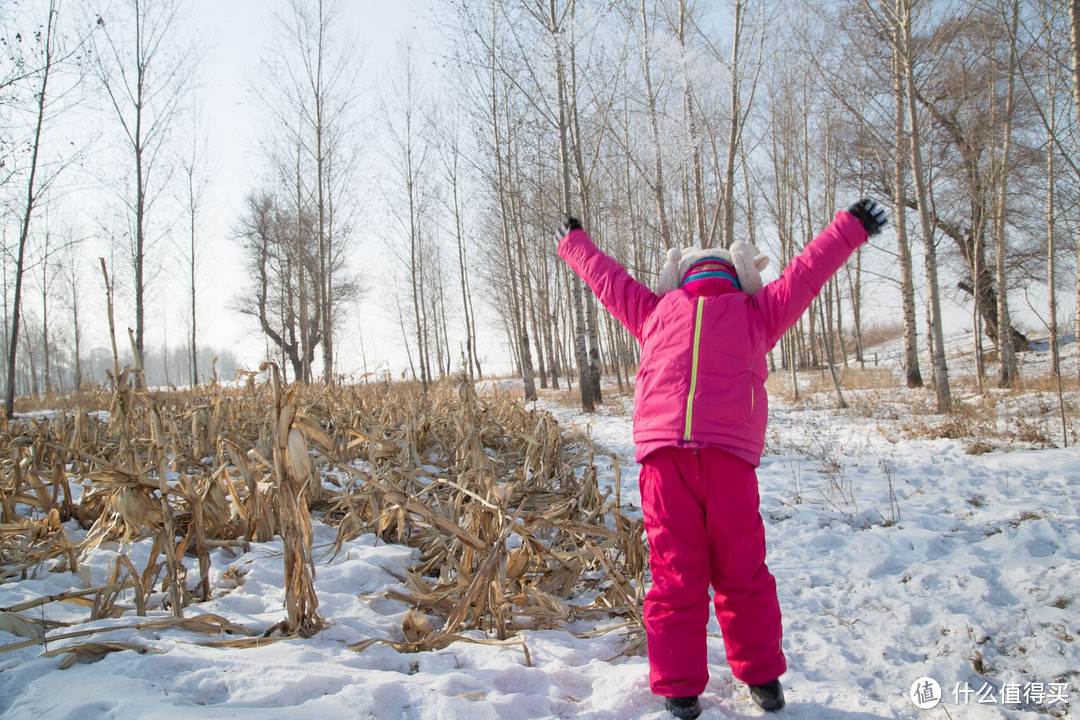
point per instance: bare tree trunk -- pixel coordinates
(1050, 123)
(912, 373)
(411, 172)
(1006, 352)
(438, 311)
(424, 330)
(1051, 246)
(550, 333)
(306, 344)
(1051, 270)
(519, 332)
(978, 282)
(24, 231)
(45, 312)
(76, 327)
(325, 299)
(516, 263)
(310, 96)
(594, 347)
(751, 218)
(615, 351)
(793, 364)
(519, 267)
(587, 215)
(144, 86)
(547, 315)
(445, 327)
(532, 299)
(472, 366)
(28, 350)
(194, 193)
(405, 339)
(580, 348)
(692, 140)
(194, 324)
(781, 135)
(139, 257)
(840, 322)
(808, 212)
(855, 286)
(414, 281)
(1074, 46)
(827, 340)
(654, 130)
(941, 370)
(733, 131)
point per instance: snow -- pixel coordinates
(898, 556)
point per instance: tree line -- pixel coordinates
(669, 122)
(659, 123)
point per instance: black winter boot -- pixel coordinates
(684, 708)
(769, 697)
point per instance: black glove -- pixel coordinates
(569, 223)
(870, 214)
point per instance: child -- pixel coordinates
(699, 429)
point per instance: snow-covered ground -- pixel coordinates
(898, 557)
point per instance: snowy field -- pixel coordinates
(899, 557)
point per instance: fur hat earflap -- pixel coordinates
(679, 262)
(670, 276)
(748, 264)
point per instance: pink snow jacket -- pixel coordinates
(703, 358)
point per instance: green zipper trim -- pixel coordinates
(693, 367)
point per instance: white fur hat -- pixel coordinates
(744, 257)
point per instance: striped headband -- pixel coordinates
(711, 268)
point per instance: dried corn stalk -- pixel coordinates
(293, 474)
(513, 529)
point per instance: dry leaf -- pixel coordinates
(18, 625)
(92, 652)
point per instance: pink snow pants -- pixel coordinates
(704, 527)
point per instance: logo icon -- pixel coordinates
(925, 693)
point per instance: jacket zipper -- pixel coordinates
(694, 367)
(752, 398)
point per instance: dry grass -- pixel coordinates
(820, 381)
(1048, 383)
(1027, 415)
(877, 334)
(449, 472)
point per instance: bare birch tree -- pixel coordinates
(1074, 53)
(657, 185)
(145, 72)
(450, 154)
(941, 370)
(50, 56)
(71, 268)
(912, 372)
(1006, 349)
(692, 140)
(314, 98)
(196, 182)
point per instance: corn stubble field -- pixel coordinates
(511, 528)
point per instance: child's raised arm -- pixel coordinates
(782, 302)
(628, 300)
